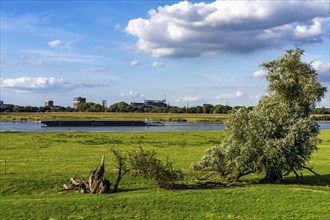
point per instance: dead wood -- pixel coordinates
(96, 184)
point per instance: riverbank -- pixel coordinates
(163, 117)
(186, 126)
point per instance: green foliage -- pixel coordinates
(278, 136)
(119, 107)
(294, 82)
(321, 111)
(90, 107)
(213, 159)
(147, 163)
(222, 109)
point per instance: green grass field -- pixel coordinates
(167, 117)
(40, 163)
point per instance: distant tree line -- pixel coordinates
(17, 108)
(125, 107)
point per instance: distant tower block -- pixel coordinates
(104, 103)
(49, 103)
(77, 101)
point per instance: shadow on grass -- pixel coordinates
(120, 190)
(192, 186)
(311, 180)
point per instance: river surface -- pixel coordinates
(38, 127)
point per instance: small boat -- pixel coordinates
(149, 123)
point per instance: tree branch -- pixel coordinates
(310, 169)
(208, 175)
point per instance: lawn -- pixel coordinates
(40, 163)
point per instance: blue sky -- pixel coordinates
(193, 52)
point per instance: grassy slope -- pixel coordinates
(39, 163)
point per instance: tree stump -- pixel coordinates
(96, 184)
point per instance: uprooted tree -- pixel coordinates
(137, 161)
(279, 135)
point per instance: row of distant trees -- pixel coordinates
(125, 107)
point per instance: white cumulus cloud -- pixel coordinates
(56, 43)
(323, 68)
(189, 29)
(188, 99)
(30, 83)
(259, 73)
(234, 95)
(45, 84)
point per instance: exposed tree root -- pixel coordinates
(96, 184)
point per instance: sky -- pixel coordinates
(189, 52)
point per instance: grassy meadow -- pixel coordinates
(39, 163)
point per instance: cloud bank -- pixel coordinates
(131, 94)
(323, 68)
(191, 30)
(188, 99)
(44, 84)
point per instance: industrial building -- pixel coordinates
(104, 103)
(49, 103)
(150, 103)
(77, 101)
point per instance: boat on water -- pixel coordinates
(92, 123)
(149, 123)
(97, 123)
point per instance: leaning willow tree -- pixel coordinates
(279, 135)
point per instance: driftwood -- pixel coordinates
(95, 184)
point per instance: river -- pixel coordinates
(38, 127)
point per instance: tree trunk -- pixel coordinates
(273, 177)
(96, 184)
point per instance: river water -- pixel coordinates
(38, 127)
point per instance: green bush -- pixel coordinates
(147, 163)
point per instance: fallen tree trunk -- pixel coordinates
(96, 184)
